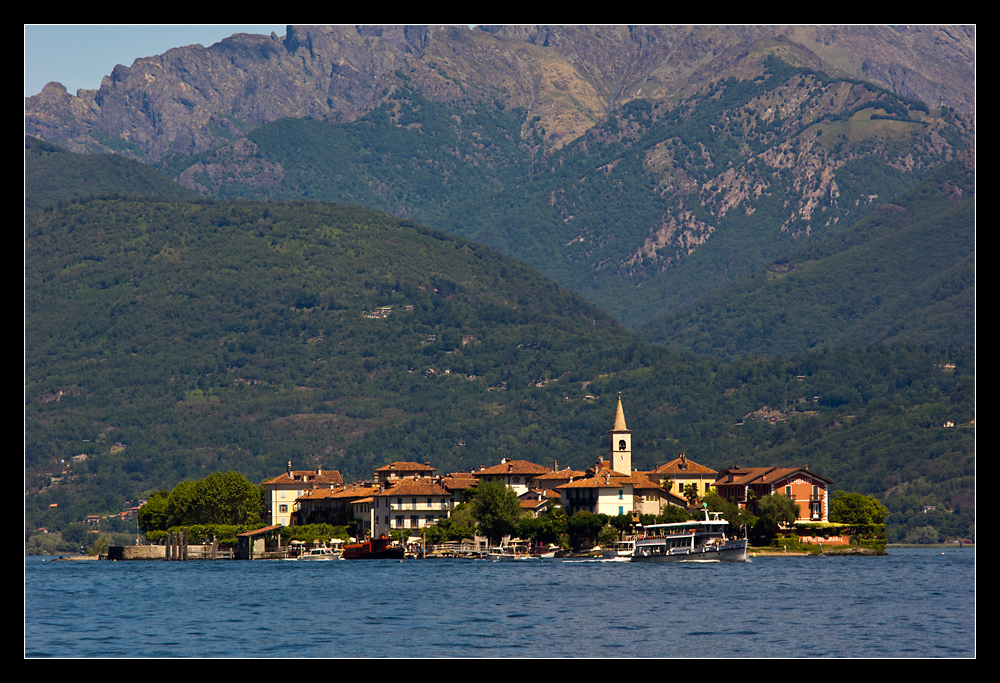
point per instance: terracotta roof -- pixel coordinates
(354, 491)
(409, 487)
(683, 465)
(257, 532)
(744, 476)
(407, 467)
(641, 482)
(458, 481)
(603, 479)
(561, 474)
(317, 494)
(514, 467)
(324, 477)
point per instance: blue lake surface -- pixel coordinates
(911, 603)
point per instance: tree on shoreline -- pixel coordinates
(497, 510)
(219, 498)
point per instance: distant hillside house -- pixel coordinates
(745, 486)
(282, 491)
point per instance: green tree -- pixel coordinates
(228, 498)
(773, 511)
(153, 515)
(737, 517)
(76, 534)
(584, 528)
(857, 509)
(497, 509)
(181, 505)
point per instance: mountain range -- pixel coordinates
(729, 194)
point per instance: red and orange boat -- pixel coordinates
(373, 549)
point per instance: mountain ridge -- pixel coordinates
(570, 76)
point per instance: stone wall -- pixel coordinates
(137, 552)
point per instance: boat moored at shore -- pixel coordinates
(514, 550)
(373, 549)
(321, 553)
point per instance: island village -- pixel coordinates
(403, 499)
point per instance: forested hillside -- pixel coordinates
(653, 207)
(905, 273)
(168, 340)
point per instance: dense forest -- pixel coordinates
(167, 340)
(763, 167)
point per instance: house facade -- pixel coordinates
(602, 491)
(681, 472)
(282, 492)
(747, 485)
(409, 504)
(395, 471)
(518, 475)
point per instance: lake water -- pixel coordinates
(911, 603)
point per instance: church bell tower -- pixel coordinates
(620, 442)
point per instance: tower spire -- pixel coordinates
(621, 442)
(619, 417)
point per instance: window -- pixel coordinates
(788, 491)
(621, 445)
(282, 508)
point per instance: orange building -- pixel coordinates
(747, 485)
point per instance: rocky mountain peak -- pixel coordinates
(192, 98)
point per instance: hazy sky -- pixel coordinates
(80, 55)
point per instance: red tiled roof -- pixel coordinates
(514, 467)
(407, 467)
(745, 476)
(603, 479)
(324, 477)
(561, 474)
(675, 466)
(409, 487)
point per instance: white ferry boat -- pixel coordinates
(698, 540)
